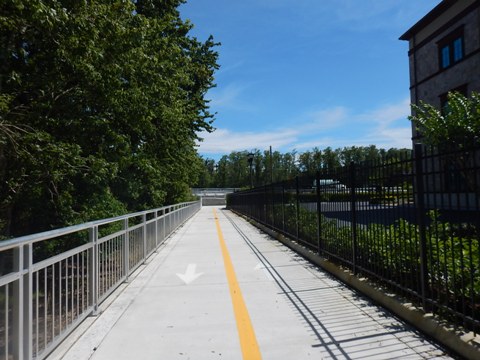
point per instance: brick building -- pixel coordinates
(444, 55)
(444, 52)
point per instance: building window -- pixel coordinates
(451, 49)
(458, 49)
(445, 57)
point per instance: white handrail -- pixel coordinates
(43, 299)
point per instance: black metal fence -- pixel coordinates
(413, 224)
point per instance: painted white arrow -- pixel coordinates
(190, 274)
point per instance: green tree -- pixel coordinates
(100, 106)
(330, 158)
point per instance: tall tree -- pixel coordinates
(100, 106)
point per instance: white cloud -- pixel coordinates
(225, 141)
(392, 127)
(389, 113)
(326, 119)
(229, 97)
(229, 68)
(367, 15)
(320, 143)
(386, 127)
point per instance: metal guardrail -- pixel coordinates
(50, 282)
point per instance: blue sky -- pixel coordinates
(296, 74)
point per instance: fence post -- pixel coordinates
(22, 308)
(272, 208)
(156, 230)
(319, 213)
(145, 251)
(265, 203)
(420, 206)
(164, 221)
(283, 206)
(297, 207)
(28, 299)
(353, 210)
(93, 271)
(17, 306)
(126, 252)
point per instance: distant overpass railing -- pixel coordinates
(213, 196)
(51, 281)
(213, 191)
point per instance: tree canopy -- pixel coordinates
(101, 102)
(233, 170)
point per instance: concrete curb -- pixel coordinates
(464, 344)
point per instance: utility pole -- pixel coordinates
(250, 163)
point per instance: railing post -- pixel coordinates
(93, 269)
(156, 230)
(164, 221)
(144, 221)
(28, 299)
(126, 250)
(319, 213)
(297, 203)
(420, 206)
(169, 220)
(353, 209)
(22, 308)
(17, 314)
(175, 217)
(179, 217)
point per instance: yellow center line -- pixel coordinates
(248, 341)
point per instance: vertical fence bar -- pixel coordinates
(265, 203)
(283, 206)
(7, 322)
(272, 208)
(126, 250)
(169, 220)
(17, 328)
(37, 315)
(164, 224)
(145, 250)
(27, 302)
(94, 276)
(156, 231)
(297, 215)
(420, 202)
(353, 209)
(319, 213)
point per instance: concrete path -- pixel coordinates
(220, 289)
